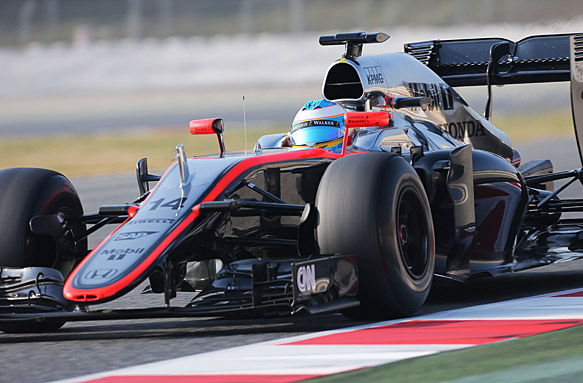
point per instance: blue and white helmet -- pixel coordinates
(318, 123)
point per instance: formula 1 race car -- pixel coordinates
(423, 186)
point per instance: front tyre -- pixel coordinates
(373, 205)
(29, 192)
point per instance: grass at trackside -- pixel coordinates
(79, 155)
(530, 351)
(527, 127)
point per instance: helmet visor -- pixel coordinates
(315, 134)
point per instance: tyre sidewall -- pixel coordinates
(357, 205)
(410, 293)
(27, 192)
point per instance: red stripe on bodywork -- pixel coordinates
(516, 184)
(570, 295)
(443, 332)
(203, 378)
(101, 293)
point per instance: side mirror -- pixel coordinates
(209, 126)
(361, 120)
(365, 119)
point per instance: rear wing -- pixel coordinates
(496, 61)
(467, 62)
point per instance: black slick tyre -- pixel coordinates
(29, 192)
(373, 206)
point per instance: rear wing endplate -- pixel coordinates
(576, 45)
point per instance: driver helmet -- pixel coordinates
(318, 123)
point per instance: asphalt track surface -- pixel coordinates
(88, 347)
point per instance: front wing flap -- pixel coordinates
(318, 285)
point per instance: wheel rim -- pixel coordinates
(412, 234)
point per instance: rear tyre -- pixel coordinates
(25, 193)
(373, 205)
